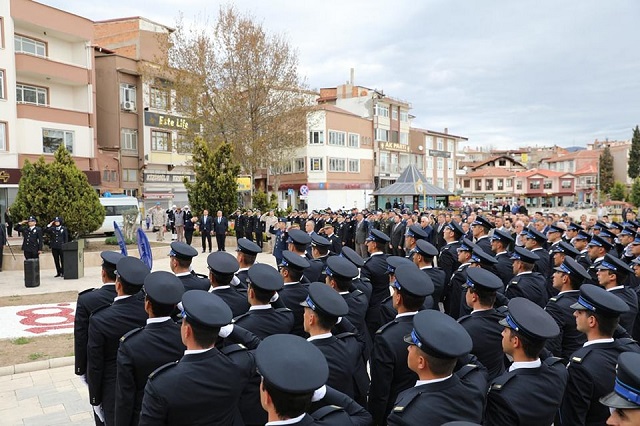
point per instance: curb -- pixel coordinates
(36, 366)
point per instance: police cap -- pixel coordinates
(282, 219)
(298, 236)
(566, 248)
(206, 309)
(413, 281)
(626, 389)
(353, 257)
(466, 245)
(536, 235)
(182, 251)
(164, 287)
(482, 221)
(573, 268)
(394, 262)
(616, 225)
(341, 268)
(325, 300)
(132, 270)
(600, 225)
(529, 319)
(480, 256)
(502, 235)
(439, 335)
(627, 230)
(598, 300)
(597, 240)
(291, 260)
(583, 235)
(222, 263)
(416, 232)
(456, 228)
(574, 227)
(248, 247)
(32, 219)
(527, 256)
(615, 264)
(425, 248)
(378, 236)
(320, 241)
(265, 277)
(483, 279)
(110, 258)
(555, 228)
(291, 364)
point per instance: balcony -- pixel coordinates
(54, 115)
(41, 68)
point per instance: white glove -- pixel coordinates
(99, 412)
(226, 331)
(319, 393)
(84, 379)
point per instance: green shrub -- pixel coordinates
(113, 241)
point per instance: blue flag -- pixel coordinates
(120, 237)
(144, 248)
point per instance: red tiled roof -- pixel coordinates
(491, 172)
(543, 172)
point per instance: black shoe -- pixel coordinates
(209, 251)
(203, 251)
(57, 276)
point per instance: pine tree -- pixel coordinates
(59, 189)
(215, 187)
(634, 155)
(618, 192)
(606, 170)
(634, 194)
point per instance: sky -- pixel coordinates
(502, 73)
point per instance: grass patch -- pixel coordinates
(21, 341)
(35, 356)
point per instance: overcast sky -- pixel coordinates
(502, 73)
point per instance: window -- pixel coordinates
(299, 165)
(394, 113)
(354, 165)
(509, 183)
(337, 138)
(478, 184)
(159, 98)
(184, 145)
(404, 138)
(129, 175)
(28, 45)
(337, 165)
(502, 163)
(466, 183)
(3, 136)
(128, 96)
(519, 185)
(354, 140)
(548, 184)
(566, 184)
(129, 139)
(488, 184)
(316, 164)
(440, 144)
(440, 183)
(429, 142)
(31, 95)
(429, 163)
(449, 164)
(160, 141)
(287, 168)
(430, 180)
(1, 32)
(500, 184)
(382, 135)
(440, 163)
(114, 176)
(404, 116)
(381, 111)
(450, 184)
(106, 176)
(3, 89)
(52, 139)
(316, 137)
(534, 184)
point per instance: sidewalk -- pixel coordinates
(48, 392)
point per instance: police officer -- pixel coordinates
(527, 283)
(297, 242)
(246, 254)
(592, 367)
(106, 327)
(209, 382)
(390, 373)
(144, 349)
(293, 292)
(434, 398)
(413, 234)
(482, 324)
(597, 249)
(531, 391)
(423, 255)
(336, 243)
(344, 354)
(623, 400)
(500, 241)
(481, 227)
(612, 274)
(535, 241)
(361, 283)
(88, 302)
(222, 267)
(181, 256)
(320, 253)
(31, 237)
(280, 241)
(459, 278)
(374, 269)
(567, 279)
(58, 236)
(448, 258)
(262, 319)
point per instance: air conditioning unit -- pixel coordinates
(129, 106)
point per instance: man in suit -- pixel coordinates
(143, 350)
(361, 234)
(206, 224)
(3, 242)
(32, 238)
(398, 230)
(439, 240)
(220, 226)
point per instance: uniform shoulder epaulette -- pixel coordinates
(89, 290)
(500, 381)
(162, 368)
(357, 293)
(552, 360)
(387, 325)
(130, 333)
(228, 350)
(365, 280)
(201, 275)
(233, 321)
(463, 318)
(283, 310)
(401, 408)
(385, 299)
(99, 308)
(555, 298)
(466, 369)
(579, 355)
(503, 310)
(326, 411)
(345, 335)
(623, 341)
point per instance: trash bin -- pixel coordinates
(32, 272)
(73, 259)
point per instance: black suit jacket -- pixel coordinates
(236, 300)
(291, 295)
(486, 335)
(220, 228)
(531, 286)
(570, 339)
(266, 322)
(627, 319)
(194, 282)
(206, 225)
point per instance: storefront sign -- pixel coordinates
(166, 121)
(437, 153)
(167, 177)
(244, 184)
(393, 146)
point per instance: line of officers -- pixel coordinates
(249, 344)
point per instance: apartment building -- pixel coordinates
(440, 153)
(47, 90)
(143, 151)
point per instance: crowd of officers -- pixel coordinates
(484, 319)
